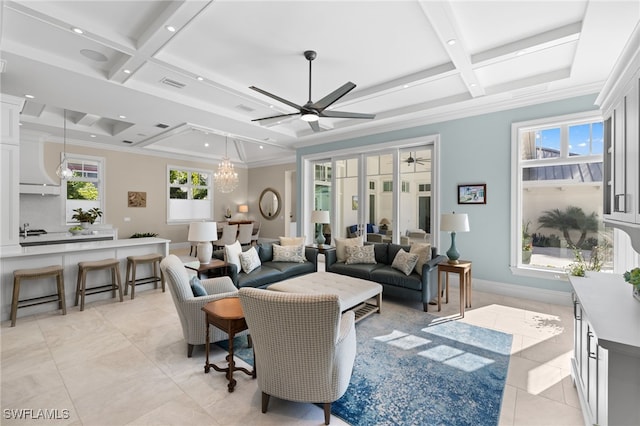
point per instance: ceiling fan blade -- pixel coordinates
(341, 114)
(275, 116)
(315, 126)
(333, 96)
(277, 98)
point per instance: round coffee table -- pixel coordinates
(226, 314)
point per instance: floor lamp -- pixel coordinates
(454, 223)
(204, 233)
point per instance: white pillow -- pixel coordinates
(291, 241)
(232, 254)
(405, 262)
(342, 243)
(288, 253)
(250, 260)
(424, 255)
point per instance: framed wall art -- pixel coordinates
(472, 194)
(137, 199)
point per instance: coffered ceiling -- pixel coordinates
(129, 82)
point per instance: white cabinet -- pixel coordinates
(606, 361)
(620, 104)
(10, 172)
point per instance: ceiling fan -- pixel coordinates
(418, 160)
(312, 111)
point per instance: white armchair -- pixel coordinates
(189, 307)
(304, 347)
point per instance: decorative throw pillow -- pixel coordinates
(291, 241)
(342, 243)
(232, 254)
(424, 255)
(360, 254)
(250, 260)
(288, 253)
(405, 262)
(196, 287)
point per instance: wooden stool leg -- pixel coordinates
(126, 279)
(134, 268)
(117, 272)
(14, 300)
(61, 298)
(83, 288)
(155, 273)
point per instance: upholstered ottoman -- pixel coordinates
(354, 293)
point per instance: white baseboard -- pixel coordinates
(524, 292)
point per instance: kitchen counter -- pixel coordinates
(66, 237)
(68, 255)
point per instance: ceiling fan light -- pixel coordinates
(308, 117)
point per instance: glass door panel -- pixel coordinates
(415, 194)
(380, 189)
(347, 202)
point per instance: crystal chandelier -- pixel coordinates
(64, 172)
(226, 178)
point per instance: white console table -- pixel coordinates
(606, 362)
(68, 255)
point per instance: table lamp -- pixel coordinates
(320, 216)
(384, 223)
(454, 223)
(204, 233)
(243, 208)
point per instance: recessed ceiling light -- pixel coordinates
(451, 42)
(405, 86)
(206, 145)
(199, 78)
(92, 136)
(270, 106)
(472, 85)
(171, 29)
(19, 124)
(261, 147)
(127, 71)
(122, 116)
(77, 30)
(29, 96)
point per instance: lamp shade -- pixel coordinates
(320, 216)
(385, 221)
(203, 231)
(243, 208)
(453, 222)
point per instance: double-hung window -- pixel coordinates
(189, 194)
(85, 188)
(557, 195)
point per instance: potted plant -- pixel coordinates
(88, 217)
(633, 278)
(527, 245)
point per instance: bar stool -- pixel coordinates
(84, 267)
(132, 264)
(32, 274)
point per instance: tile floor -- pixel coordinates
(125, 364)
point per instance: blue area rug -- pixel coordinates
(413, 369)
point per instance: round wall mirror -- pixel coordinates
(270, 204)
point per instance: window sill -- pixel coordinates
(547, 274)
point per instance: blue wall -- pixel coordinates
(477, 150)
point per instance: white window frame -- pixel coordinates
(100, 184)
(517, 184)
(209, 187)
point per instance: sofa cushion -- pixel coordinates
(405, 262)
(390, 276)
(260, 277)
(232, 254)
(342, 243)
(382, 253)
(196, 287)
(250, 260)
(288, 253)
(424, 255)
(291, 269)
(265, 251)
(360, 254)
(292, 241)
(362, 270)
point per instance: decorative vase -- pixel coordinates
(636, 292)
(85, 225)
(526, 257)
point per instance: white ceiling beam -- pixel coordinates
(444, 24)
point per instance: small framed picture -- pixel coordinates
(354, 202)
(472, 194)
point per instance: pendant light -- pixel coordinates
(226, 178)
(63, 171)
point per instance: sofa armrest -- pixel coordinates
(311, 254)
(430, 279)
(232, 271)
(330, 257)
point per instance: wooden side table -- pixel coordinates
(226, 314)
(214, 265)
(463, 269)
